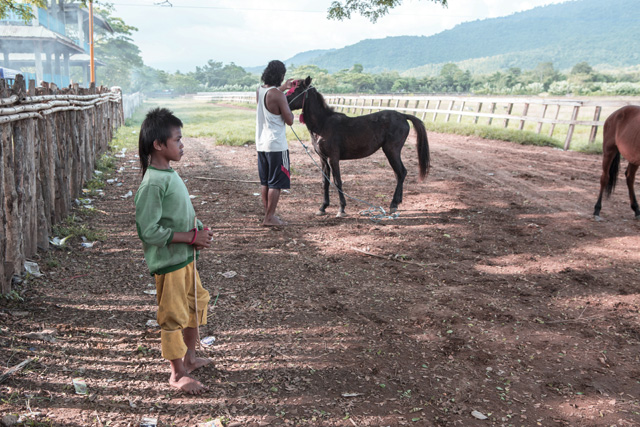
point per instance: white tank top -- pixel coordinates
(270, 128)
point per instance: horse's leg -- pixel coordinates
(326, 173)
(393, 156)
(335, 168)
(630, 173)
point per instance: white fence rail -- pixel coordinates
(520, 113)
(130, 103)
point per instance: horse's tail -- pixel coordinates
(613, 174)
(422, 144)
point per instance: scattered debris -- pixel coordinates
(47, 335)
(86, 243)
(151, 323)
(151, 292)
(352, 394)
(207, 341)
(56, 241)
(129, 194)
(214, 423)
(149, 422)
(15, 369)
(9, 420)
(479, 415)
(32, 268)
(228, 274)
(80, 386)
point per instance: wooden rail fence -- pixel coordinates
(521, 113)
(50, 139)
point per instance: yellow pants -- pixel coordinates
(176, 309)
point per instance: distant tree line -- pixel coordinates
(581, 80)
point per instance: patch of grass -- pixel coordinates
(490, 132)
(106, 163)
(53, 263)
(95, 183)
(12, 296)
(72, 226)
(202, 119)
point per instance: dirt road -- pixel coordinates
(494, 291)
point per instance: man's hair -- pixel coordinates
(156, 126)
(274, 73)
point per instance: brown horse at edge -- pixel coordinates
(621, 136)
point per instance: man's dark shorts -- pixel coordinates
(273, 168)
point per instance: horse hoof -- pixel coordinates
(341, 215)
(637, 217)
(598, 218)
(321, 213)
(393, 210)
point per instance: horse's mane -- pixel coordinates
(323, 102)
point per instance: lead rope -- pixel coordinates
(195, 282)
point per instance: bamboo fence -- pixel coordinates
(50, 139)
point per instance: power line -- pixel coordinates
(167, 5)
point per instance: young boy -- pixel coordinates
(165, 223)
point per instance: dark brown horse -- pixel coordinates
(621, 137)
(336, 137)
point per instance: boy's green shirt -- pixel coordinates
(163, 207)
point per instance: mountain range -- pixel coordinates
(604, 33)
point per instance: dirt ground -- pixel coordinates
(493, 291)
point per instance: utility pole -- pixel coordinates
(92, 64)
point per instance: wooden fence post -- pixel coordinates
(461, 110)
(435, 114)
(553, 125)
(525, 111)
(574, 117)
(426, 107)
(446, 119)
(544, 111)
(594, 128)
(509, 109)
(493, 110)
(475, 120)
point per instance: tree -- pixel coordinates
(370, 9)
(23, 9)
(117, 51)
(582, 68)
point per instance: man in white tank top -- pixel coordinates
(272, 116)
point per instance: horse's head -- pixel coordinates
(295, 95)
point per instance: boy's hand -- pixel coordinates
(204, 239)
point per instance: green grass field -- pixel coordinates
(202, 119)
(227, 125)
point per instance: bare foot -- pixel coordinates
(188, 384)
(274, 221)
(199, 362)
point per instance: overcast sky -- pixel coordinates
(252, 32)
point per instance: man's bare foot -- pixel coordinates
(198, 362)
(188, 384)
(274, 221)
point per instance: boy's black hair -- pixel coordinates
(156, 126)
(273, 75)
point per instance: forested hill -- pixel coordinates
(600, 32)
